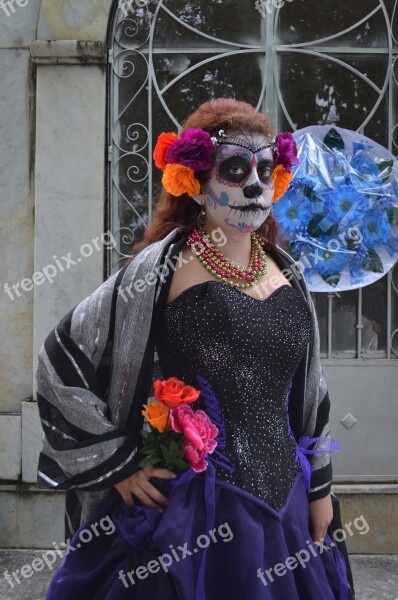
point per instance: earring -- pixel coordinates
(201, 220)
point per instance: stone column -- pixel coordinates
(69, 194)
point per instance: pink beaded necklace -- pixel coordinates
(223, 268)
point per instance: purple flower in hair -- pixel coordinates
(193, 149)
(286, 151)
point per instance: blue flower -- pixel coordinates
(292, 212)
(300, 183)
(365, 166)
(360, 255)
(331, 258)
(366, 175)
(346, 205)
(383, 201)
(375, 228)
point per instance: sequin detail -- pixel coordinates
(249, 350)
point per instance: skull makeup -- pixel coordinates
(240, 189)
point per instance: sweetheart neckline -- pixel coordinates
(284, 285)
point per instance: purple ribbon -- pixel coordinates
(210, 504)
(303, 450)
(345, 589)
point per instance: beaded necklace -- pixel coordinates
(224, 269)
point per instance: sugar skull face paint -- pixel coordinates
(240, 189)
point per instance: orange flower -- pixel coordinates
(173, 392)
(281, 179)
(178, 180)
(162, 145)
(157, 415)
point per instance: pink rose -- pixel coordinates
(199, 435)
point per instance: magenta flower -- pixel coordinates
(193, 149)
(286, 151)
(199, 435)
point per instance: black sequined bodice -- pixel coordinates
(248, 349)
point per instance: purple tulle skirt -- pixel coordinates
(214, 541)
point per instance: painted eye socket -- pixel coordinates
(234, 169)
(265, 171)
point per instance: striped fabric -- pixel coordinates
(95, 370)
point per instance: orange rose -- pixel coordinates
(162, 145)
(178, 180)
(281, 179)
(157, 415)
(173, 392)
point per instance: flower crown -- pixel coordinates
(179, 157)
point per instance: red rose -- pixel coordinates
(173, 392)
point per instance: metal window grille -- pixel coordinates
(302, 63)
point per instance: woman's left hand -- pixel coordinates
(321, 515)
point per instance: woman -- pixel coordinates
(247, 337)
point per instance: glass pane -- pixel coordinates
(374, 318)
(378, 129)
(317, 91)
(133, 29)
(228, 20)
(301, 22)
(321, 308)
(237, 76)
(129, 132)
(344, 319)
(392, 9)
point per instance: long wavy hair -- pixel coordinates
(182, 211)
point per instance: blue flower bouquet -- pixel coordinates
(339, 217)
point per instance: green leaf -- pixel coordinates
(148, 450)
(176, 449)
(332, 279)
(392, 214)
(180, 463)
(148, 461)
(333, 139)
(385, 165)
(165, 451)
(148, 436)
(314, 230)
(374, 262)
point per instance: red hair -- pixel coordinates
(182, 211)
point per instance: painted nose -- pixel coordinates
(253, 191)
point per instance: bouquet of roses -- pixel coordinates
(176, 437)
